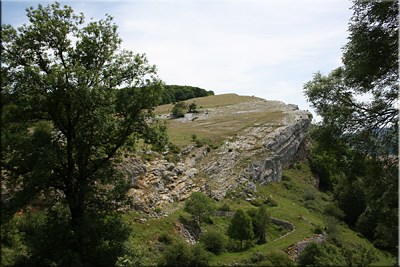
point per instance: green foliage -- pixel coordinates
(192, 108)
(240, 227)
(135, 256)
(279, 259)
(181, 254)
(333, 210)
(263, 220)
(288, 185)
(12, 242)
(96, 101)
(319, 229)
(199, 143)
(214, 241)
(44, 230)
(174, 93)
(198, 205)
(174, 148)
(256, 202)
(165, 238)
(310, 194)
(179, 110)
(314, 205)
(270, 202)
(315, 254)
(335, 230)
(359, 255)
(351, 199)
(358, 136)
(194, 137)
(225, 207)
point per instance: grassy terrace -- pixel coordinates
(216, 128)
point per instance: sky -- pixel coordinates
(267, 48)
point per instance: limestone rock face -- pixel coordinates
(257, 153)
(286, 140)
(133, 167)
(253, 155)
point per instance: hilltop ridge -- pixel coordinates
(239, 141)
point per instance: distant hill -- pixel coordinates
(175, 93)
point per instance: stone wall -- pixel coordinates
(285, 224)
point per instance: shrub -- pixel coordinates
(165, 238)
(179, 254)
(207, 219)
(256, 202)
(194, 137)
(313, 205)
(279, 259)
(333, 210)
(214, 241)
(179, 109)
(199, 143)
(174, 148)
(287, 185)
(334, 230)
(315, 254)
(286, 178)
(310, 194)
(319, 229)
(225, 207)
(270, 202)
(257, 256)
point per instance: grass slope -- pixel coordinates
(290, 194)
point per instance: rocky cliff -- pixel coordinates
(251, 154)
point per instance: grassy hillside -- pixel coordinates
(293, 196)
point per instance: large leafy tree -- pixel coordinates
(240, 227)
(358, 103)
(199, 205)
(72, 102)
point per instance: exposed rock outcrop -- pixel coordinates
(294, 250)
(253, 155)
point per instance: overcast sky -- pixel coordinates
(267, 48)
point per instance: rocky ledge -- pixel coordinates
(253, 155)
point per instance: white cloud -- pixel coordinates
(263, 48)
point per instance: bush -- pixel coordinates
(214, 241)
(313, 205)
(286, 178)
(199, 143)
(174, 148)
(181, 254)
(179, 110)
(334, 230)
(315, 254)
(319, 229)
(225, 207)
(257, 256)
(279, 259)
(256, 202)
(333, 210)
(310, 194)
(165, 238)
(288, 186)
(270, 202)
